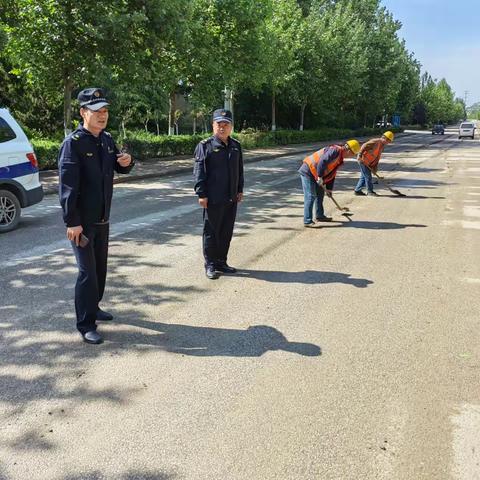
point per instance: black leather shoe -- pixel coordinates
(210, 272)
(104, 316)
(224, 268)
(373, 194)
(359, 192)
(323, 219)
(92, 337)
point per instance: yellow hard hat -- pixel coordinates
(389, 135)
(354, 146)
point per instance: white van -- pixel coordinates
(19, 179)
(466, 129)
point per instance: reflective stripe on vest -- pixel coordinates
(312, 162)
(371, 158)
(330, 168)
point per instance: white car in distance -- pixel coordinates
(466, 129)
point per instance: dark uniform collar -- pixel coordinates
(218, 143)
(81, 129)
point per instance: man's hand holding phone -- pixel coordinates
(124, 159)
(74, 234)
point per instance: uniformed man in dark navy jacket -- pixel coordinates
(88, 157)
(218, 176)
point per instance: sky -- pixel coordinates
(444, 37)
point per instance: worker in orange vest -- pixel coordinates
(368, 159)
(318, 175)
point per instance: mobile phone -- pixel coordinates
(83, 241)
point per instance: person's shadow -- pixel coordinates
(309, 277)
(209, 341)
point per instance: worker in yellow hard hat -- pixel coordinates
(368, 158)
(318, 173)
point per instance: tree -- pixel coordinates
(58, 42)
(282, 42)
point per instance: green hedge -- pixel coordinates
(47, 153)
(145, 146)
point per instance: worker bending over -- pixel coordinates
(318, 175)
(368, 159)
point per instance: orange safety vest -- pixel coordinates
(331, 167)
(370, 158)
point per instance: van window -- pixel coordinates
(6, 133)
(466, 125)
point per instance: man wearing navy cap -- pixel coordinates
(88, 157)
(218, 174)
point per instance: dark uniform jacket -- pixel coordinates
(218, 170)
(86, 164)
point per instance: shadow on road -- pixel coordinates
(309, 277)
(209, 341)
(377, 225)
(130, 475)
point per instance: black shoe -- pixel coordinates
(323, 219)
(224, 268)
(210, 272)
(373, 194)
(104, 316)
(92, 337)
(359, 193)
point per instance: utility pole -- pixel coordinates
(228, 99)
(465, 100)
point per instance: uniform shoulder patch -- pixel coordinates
(107, 134)
(76, 136)
(235, 140)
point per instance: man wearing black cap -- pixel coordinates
(88, 157)
(218, 174)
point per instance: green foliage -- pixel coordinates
(46, 152)
(320, 62)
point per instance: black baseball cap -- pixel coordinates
(92, 98)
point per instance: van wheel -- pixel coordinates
(9, 211)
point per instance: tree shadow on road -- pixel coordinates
(309, 277)
(197, 341)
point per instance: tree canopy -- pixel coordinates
(296, 63)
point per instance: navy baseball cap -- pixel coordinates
(222, 115)
(92, 98)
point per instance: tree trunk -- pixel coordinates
(67, 104)
(124, 129)
(302, 115)
(274, 120)
(158, 126)
(146, 125)
(194, 124)
(171, 114)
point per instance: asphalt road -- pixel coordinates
(349, 351)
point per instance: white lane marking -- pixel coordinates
(474, 281)
(466, 443)
(470, 211)
(126, 226)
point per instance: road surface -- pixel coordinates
(349, 351)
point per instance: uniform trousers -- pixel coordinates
(218, 222)
(92, 273)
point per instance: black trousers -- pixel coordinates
(92, 273)
(218, 222)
